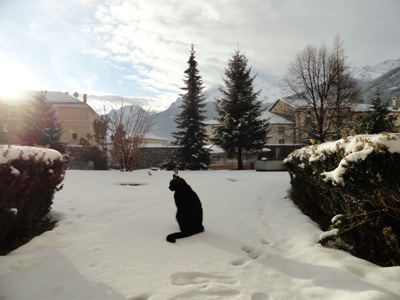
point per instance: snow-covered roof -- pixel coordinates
(294, 102)
(275, 119)
(51, 96)
(214, 148)
(154, 137)
(362, 107)
(158, 146)
(211, 122)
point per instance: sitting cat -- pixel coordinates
(189, 211)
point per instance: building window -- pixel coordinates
(281, 130)
(281, 141)
(74, 136)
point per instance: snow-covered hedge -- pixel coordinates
(29, 177)
(353, 186)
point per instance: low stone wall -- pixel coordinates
(246, 166)
(154, 156)
(75, 158)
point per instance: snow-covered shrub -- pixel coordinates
(29, 178)
(357, 178)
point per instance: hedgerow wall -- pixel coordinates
(351, 188)
(29, 178)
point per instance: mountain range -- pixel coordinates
(384, 75)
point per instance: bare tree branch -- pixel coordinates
(128, 125)
(319, 77)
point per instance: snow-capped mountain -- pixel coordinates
(387, 85)
(369, 73)
(164, 123)
(103, 103)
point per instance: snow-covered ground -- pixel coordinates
(110, 244)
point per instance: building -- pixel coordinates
(75, 116)
(297, 111)
(281, 129)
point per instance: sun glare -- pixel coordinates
(14, 78)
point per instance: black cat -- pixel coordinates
(189, 211)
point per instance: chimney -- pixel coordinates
(394, 103)
(85, 98)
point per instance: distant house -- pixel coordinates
(75, 116)
(280, 129)
(293, 109)
(393, 107)
(296, 110)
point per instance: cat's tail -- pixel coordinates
(179, 235)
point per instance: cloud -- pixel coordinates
(141, 48)
(154, 37)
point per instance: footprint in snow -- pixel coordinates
(140, 297)
(202, 279)
(93, 265)
(220, 294)
(251, 252)
(238, 262)
(205, 286)
(259, 296)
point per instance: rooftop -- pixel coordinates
(51, 96)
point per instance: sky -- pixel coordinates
(140, 48)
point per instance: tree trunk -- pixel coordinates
(240, 160)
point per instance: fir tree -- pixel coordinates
(377, 120)
(192, 135)
(41, 124)
(97, 143)
(239, 112)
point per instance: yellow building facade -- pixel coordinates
(75, 116)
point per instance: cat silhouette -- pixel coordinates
(189, 213)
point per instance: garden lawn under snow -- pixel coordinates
(110, 243)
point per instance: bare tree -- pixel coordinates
(319, 77)
(128, 125)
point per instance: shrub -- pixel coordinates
(352, 185)
(29, 178)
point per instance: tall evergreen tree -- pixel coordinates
(377, 120)
(192, 135)
(41, 124)
(239, 112)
